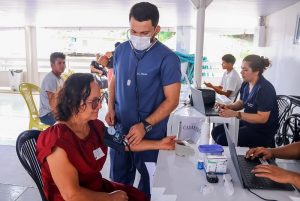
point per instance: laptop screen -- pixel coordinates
(233, 153)
(198, 100)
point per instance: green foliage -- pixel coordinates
(165, 35)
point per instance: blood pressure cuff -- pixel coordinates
(114, 139)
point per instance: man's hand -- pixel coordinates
(274, 173)
(259, 152)
(118, 196)
(110, 117)
(208, 84)
(136, 134)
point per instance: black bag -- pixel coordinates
(209, 97)
(99, 67)
(103, 83)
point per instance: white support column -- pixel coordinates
(183, 39)
(200, 5)
(31, 54)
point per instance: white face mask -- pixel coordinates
(140, 42)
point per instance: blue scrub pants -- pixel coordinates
(248, 137)
(48, 119)
(121, 169)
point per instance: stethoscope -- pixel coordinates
(139, 56)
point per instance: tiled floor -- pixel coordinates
(15, 183)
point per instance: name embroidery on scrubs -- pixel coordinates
(145, 74)
(250, 105)
(98, 153)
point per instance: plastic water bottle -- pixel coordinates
(204, 136)
(203, 139)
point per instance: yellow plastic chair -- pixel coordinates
(26, 90)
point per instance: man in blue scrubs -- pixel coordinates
(142, 93)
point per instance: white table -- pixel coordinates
(188, 111)
(178, 177)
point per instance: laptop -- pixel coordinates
(198, 103)
(244, 166)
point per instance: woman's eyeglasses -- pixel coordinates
(95, 102)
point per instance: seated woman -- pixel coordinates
(71, 153)
(259, 121)
(291, 151)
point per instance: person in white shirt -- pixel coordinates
(231, 81)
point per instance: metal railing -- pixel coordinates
(75, 63)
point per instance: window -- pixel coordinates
(12, 49)
(297, 31)
(81, 44)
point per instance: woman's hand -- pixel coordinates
(274, 173)
(259, 152)
(167, 143)
(220, 106)
(118, 196)
(227, 113)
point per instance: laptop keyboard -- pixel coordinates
(253, 182)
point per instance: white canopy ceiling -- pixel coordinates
(114, 13)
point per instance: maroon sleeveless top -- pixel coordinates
(86, 155)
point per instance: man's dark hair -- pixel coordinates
(229, 58)
(76, 89)
(56, 55)
(145, 11)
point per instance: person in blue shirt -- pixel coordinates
(143, 91)
(259, 120)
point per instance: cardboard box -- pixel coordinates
(215, 163)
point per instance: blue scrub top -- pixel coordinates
(139, 81)
(262, 98)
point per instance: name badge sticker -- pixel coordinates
(128, 82)
(98, 153)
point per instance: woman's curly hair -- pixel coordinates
(76, 89)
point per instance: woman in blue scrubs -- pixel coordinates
(259, 120)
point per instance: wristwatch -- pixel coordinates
(239, 115)
(147, 126)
